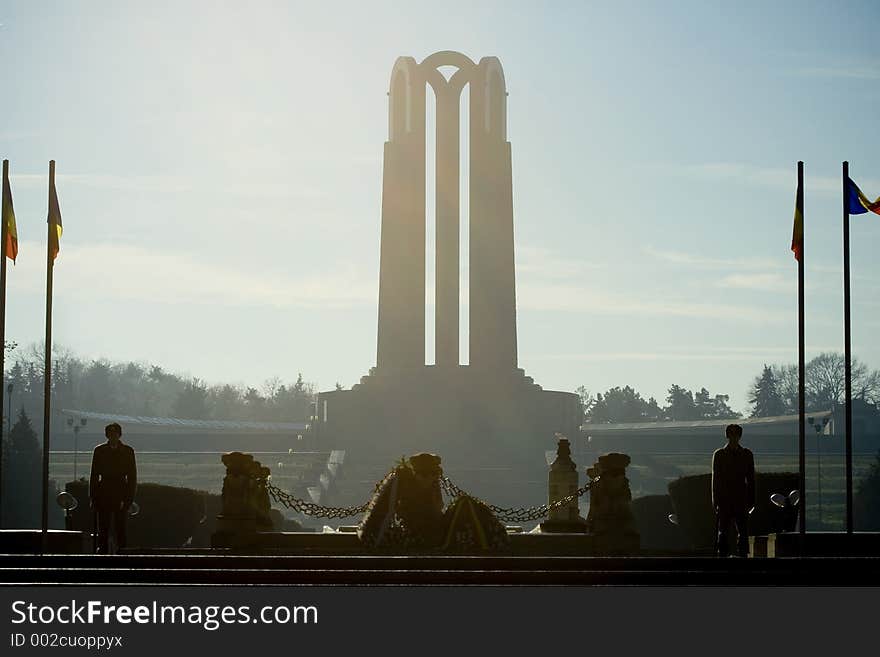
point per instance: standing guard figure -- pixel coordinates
(733, 491)
(112, 485)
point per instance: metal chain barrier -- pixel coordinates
(317, 510)
(512, 514)
(312, 509)
(520, 513)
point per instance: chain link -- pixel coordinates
(312, 509)
(519, 513)
(511, 514)
(317, 510)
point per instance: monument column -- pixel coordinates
(401, 331)
(447, 223)
(492, 279)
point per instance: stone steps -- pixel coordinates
(385, 570)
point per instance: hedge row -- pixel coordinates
(169, 516)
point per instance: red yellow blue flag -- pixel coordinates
(55, 221)
(797, 232)
(10, 249)
(857, 202)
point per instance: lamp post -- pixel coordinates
(818, 427)
(76, 428)
(314, 423)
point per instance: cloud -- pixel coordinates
(781, 178)
(762, 354)
(747, 174)
(572, 298)
(713, 262)
(170, 184)
(547, 264)
(752, 273)
(763, 282)
(148, 184)
(646, 356)
(122, 272)
(548, 283)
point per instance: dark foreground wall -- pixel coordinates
(692, 501)
(169, 516)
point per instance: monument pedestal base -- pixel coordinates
(500, 423)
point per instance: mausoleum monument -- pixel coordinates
(487, 415)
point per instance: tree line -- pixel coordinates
(136, 388)
(773, 392)
(626, 405)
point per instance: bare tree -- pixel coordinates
(787, 385)
(271, 386)
(587, 399)
(825, 382)
(867, 387)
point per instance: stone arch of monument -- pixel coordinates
(431, 65)
(492, 297)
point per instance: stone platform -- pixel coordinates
(467, 415)
(348, 543)
(817, 544)
(29, 541)
(492, 430)
(341, 543)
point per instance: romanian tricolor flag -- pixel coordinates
(857, 202)
(54, 221)
(10, 249)
(797, 232)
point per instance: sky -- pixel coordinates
(219, 175)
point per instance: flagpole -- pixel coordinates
(802, 431)
(847, 351)
(4, 235)
(47, 379)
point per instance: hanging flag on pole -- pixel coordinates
(9, 247)
(857, 202)
(52, 248)
(854, 202)
(55, 228)
(797, 231)
(797, 245)
(10, 238)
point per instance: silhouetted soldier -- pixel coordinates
(733, 491)
(112, 486)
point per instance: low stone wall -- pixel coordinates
(30, 541)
